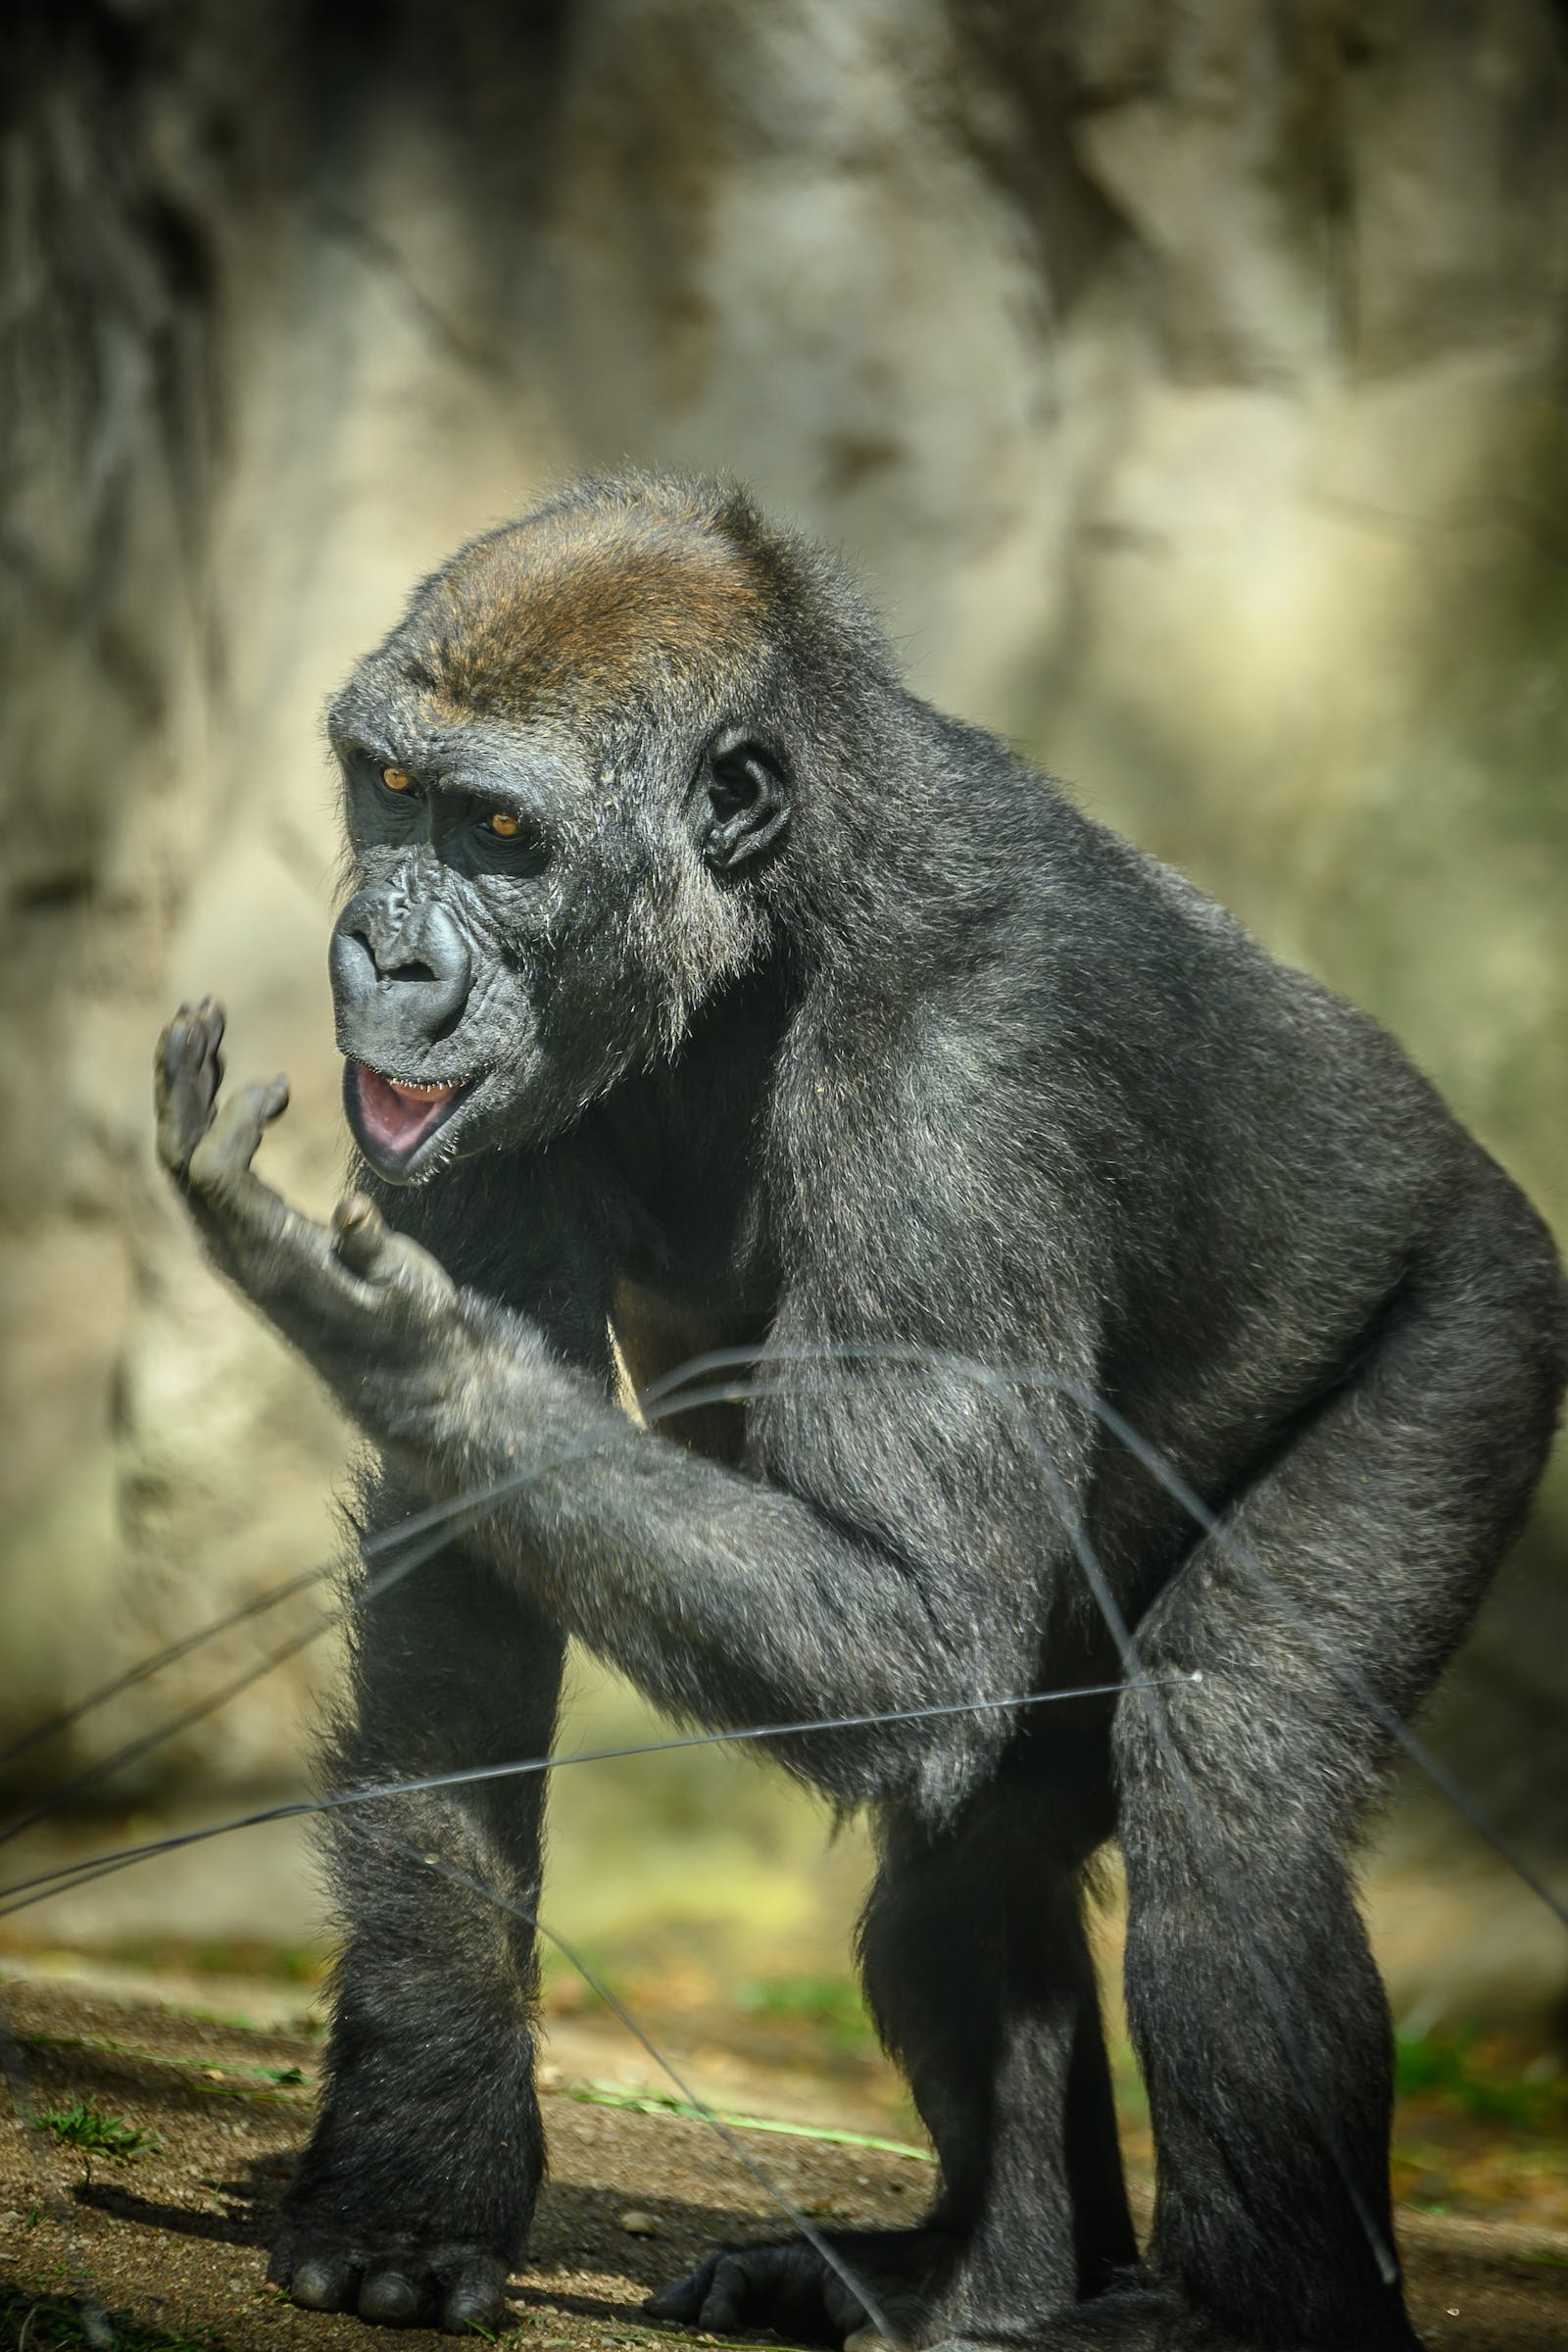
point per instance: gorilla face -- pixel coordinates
(431, 956)
(535, 916)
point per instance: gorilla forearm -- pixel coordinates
(726, 1598)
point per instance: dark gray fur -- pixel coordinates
(903, 1048)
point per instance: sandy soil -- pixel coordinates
(174, 2237)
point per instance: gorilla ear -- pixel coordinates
(748, 803)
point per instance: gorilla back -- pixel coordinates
(699, 983)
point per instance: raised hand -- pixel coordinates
(351, 1295)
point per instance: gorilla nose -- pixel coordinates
(407, 975)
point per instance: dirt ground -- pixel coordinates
(168, 2234)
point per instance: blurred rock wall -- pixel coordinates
(1186, 375)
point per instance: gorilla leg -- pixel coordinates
(1251, 1992)
(978, 1974)
(1261, 2026)
(414, 2196)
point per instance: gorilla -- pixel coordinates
(701, 988)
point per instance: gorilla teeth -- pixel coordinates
(423, 1090)
(434, 1090)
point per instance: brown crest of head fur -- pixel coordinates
(603, 596)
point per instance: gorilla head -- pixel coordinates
(581, 752)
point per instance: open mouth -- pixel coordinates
(392, 1118)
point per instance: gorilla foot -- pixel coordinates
(394, 2283)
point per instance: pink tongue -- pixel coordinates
(397, 1116)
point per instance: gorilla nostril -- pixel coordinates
(380, 960)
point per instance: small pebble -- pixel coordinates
(638, 2224)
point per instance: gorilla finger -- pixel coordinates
(360, 1237)
(324, 2283)
(174, 1041)
(238, 1130)
(390, 2299)
(185, 1082)
(369, 1248)
(215, 1041)
(205, 1025)
(475, 2297)
(191, 1040)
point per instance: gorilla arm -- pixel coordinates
(911, 1580)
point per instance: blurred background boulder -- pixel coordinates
(1186, 377)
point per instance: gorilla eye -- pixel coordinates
(519, 844)
(396, 779)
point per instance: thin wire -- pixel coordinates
(168, 1729)
(445, 1515)
(72, 1875)
(796, 2220)
(442, 1515)
(1220, 1874)
(442, 1520)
